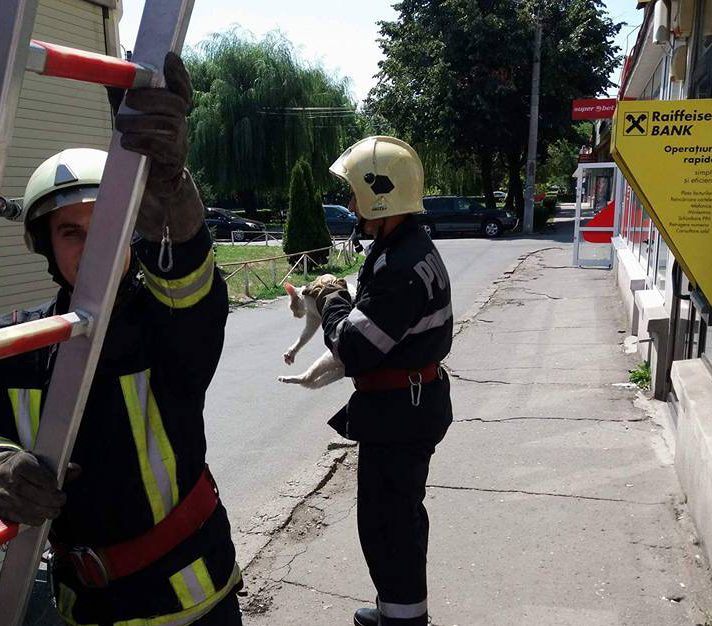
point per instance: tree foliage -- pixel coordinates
(306, 225)
(562, 158)
(456, 78)
(258, 109)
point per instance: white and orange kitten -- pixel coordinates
(327, 368)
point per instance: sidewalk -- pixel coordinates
(552, 500)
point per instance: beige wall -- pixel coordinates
(54, 114)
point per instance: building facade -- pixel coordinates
(53, 114)
(672, 60)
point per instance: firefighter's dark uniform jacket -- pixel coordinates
(400, 319)
(141, 444)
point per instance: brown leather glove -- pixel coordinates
(322, 287)
(28, 490)
(160, 131)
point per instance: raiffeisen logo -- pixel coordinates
(671, 122)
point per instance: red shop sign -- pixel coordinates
(593, 109)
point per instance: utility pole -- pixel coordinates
(528, 226)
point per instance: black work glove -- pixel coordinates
(324, 286)
(160, 131)
(28, 490)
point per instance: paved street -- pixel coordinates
(263, 434)
(265, 438)
(553, 499)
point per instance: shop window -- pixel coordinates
(662, 264)
(636, 228)
(705, 25)
(646, 241)
(701, 83)
(652, 89)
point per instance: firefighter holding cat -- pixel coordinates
(140, 535)
(391, 339)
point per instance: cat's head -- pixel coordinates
(297, 303)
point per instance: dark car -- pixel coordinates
(463, 215)
(339, 220)
(223, 223)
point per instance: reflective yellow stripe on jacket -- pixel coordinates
(8, 443)
(26, 407)
(193, 584)
(181, 293)
(67, 599)
(155, 453)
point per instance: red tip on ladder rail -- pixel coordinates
(29, 336)
(8, 531)
(50, 59)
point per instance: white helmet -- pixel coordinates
(70, 177)
(385, 175)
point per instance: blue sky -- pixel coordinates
(339, 35)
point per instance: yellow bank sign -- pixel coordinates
(664, 149)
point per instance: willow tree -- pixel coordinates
(258, 109)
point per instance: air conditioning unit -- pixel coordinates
(661, 23)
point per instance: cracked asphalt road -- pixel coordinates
(264, 438)
(262, 434)
(553, 500)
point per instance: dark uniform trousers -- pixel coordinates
(393, 523)
(400, 319)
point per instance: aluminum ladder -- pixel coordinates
(163, 28)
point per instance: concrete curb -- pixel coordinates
(277, 514)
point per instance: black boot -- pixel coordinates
(366, 617)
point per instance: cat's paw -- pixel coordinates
(288, 358)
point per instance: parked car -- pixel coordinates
(223, 223)
(500, 196)
(449, 215)
(339, 220)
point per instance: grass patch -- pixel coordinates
(264, 275)
(641, 375)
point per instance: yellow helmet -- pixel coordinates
(385, 175)
(69, 177)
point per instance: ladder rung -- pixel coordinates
(51, 59)
(8, 531)
(30, 336)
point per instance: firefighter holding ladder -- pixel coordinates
(139, 534)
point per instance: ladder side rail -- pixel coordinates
(17, 18)
(163, 28)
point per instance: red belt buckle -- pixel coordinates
(89, 567)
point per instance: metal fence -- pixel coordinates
(253, 272)
(243, 238)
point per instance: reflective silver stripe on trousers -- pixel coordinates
(370, 331)
(158, 467)
(402, 611)
(434, 320)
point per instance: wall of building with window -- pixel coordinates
(671, 318)
(53, 114)
(652, 274)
